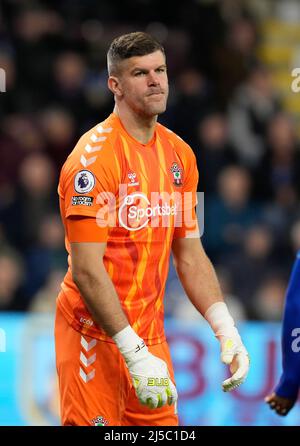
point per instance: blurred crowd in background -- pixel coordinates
(222, 102)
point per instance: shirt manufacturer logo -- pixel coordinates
(132, 179)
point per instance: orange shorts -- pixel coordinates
(94, 385)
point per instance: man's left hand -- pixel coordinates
(234, 354)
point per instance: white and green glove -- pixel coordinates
(150, 377)
(233, 352)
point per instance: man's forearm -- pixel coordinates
(200, 282)
(290, 380)
(102, 300)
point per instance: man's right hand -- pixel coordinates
(150, 377)
(151, 380)
(281, 405)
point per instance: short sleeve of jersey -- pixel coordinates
(88, 184)
(187, 225)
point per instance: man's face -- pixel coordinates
(143, 84)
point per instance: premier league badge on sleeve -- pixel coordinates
(177, 174)
(84, 181)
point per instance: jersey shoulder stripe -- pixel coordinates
(93, 147)
(94, 152)
(92, 143)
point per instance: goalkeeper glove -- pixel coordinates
(233, 351)
(150, 377)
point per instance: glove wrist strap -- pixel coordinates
(220, 320)
(129, 343)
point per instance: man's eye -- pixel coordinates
(139, 73)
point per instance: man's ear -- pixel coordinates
(115, 86)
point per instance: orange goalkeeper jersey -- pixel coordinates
(141, 197)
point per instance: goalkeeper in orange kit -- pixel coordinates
(127, 198)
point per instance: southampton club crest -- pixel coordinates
(84, 181)
(99, 421)
(177, 174)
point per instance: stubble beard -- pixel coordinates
(154, 108)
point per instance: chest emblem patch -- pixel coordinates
(177, 174)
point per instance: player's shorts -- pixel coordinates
(95, 386)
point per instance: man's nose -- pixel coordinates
(153, 78)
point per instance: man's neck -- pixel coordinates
(140, 128)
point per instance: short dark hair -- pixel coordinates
(130, 45)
